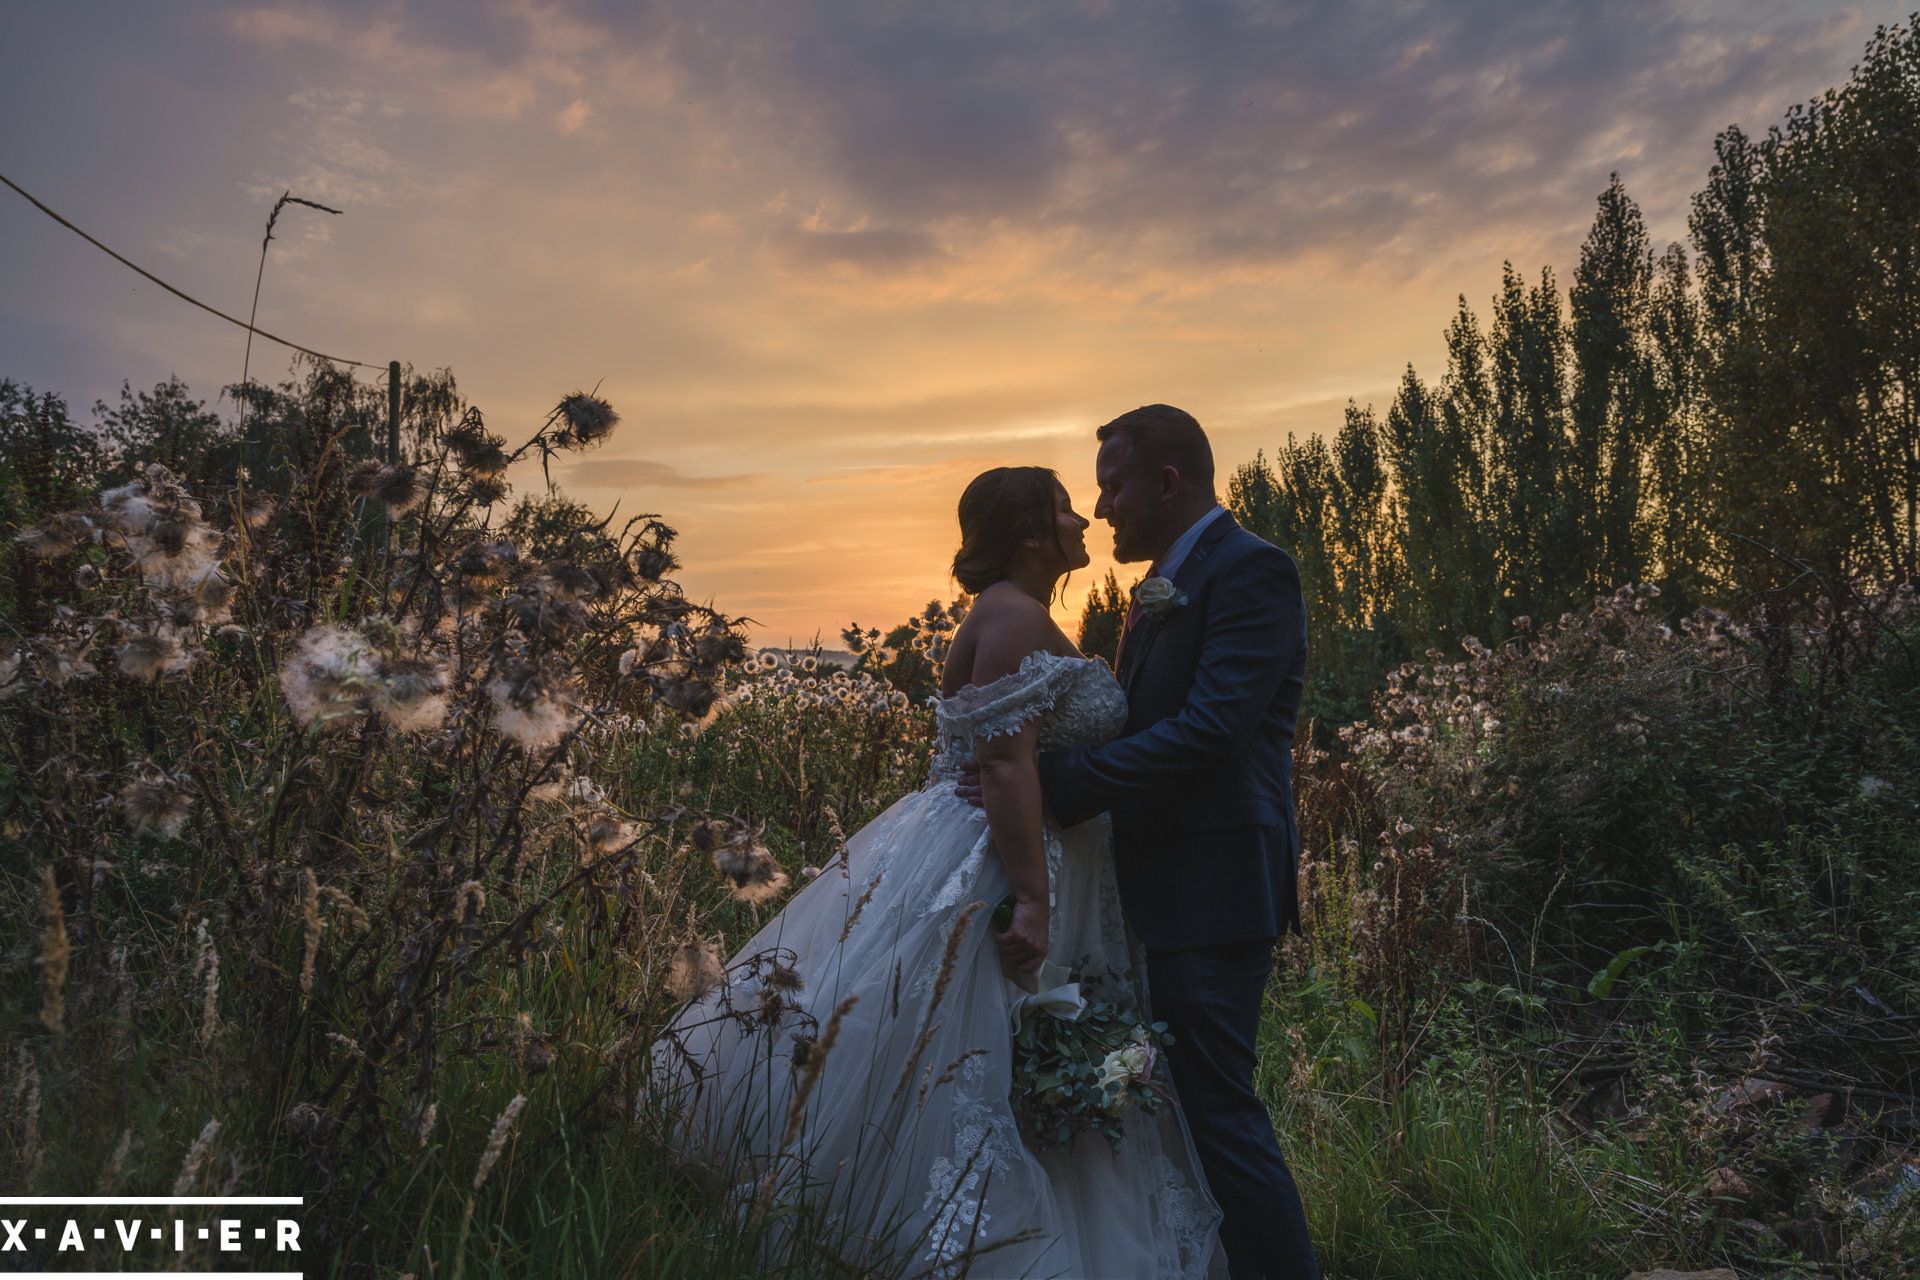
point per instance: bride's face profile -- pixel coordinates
(1018, 523)
(1069, 542)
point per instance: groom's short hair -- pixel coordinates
(1160, 435)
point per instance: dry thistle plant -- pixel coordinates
(335, 729)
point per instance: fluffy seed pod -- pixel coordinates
(584, 420)
(396, 487)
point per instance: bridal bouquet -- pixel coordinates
(1080, 1070)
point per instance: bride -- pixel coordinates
(860, 1055)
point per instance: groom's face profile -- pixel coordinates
(1134, 496)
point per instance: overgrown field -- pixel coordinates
(361, 823)
(362, 829)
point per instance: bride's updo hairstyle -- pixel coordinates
(1001, 509)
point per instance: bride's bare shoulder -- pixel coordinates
(998, 633)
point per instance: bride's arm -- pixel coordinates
(1010, 791)
(1010, 777)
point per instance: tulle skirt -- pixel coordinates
(859, 1058)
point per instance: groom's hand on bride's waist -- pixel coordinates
(968, 788)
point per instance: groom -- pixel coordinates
(1200, 788)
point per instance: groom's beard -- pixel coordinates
(1126, 550)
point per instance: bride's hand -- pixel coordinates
(1024, 944)
(968, 788)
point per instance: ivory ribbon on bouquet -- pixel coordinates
(1047, 988)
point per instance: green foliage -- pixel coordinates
(1062, 1083)
(1102, 620)
(168, 426)
(46, 460)
(1629, 870)
(1333, 523)
(910, 656)
(46, 463)
(1458, 1175)
(1716, 427)
(302, 889)
(808, 753)
(1448, 565)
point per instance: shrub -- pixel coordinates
(302, 826)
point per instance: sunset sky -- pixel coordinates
(830, 260)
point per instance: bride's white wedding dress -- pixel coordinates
(907, 1141)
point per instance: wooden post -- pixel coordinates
(393, 412)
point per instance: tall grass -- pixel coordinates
(363, 830)
(1610, 950)
(354, 822)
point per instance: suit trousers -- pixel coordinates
(1210, 999)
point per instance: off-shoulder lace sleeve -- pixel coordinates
(1004, 706)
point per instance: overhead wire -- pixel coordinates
(177, 292)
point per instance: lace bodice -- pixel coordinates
(1076, 700)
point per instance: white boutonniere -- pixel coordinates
(1158, 597)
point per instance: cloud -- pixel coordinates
(882, 248)
(933, 476)
(1222, 137)
(876, 246)
(574, 116)
(646, 473)
(1233, 133)
(468, 77)
(333, 155)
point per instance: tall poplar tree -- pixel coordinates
(1535, 526)
(1723, 425)
(1609, 413)
(1677, 453)
(1746, 457)
(1433, 465)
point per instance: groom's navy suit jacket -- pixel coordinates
(1200, 782)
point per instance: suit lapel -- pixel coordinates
(1138, 645)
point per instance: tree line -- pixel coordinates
(1723, 418)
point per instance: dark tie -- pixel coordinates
(1133, 617)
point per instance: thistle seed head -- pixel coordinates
(584, 419)
(694, 971)
(571, 582)
(157, 803)
(330, 677)
(59, 537)
(653, 563)
(609, 833)
(412, 694)
(63, 660)
(693, 697)
(396, 486)
(485, 491)
(486, 563)
(531, 710)
(148, 655)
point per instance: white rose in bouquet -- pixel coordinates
(1129, 1063)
